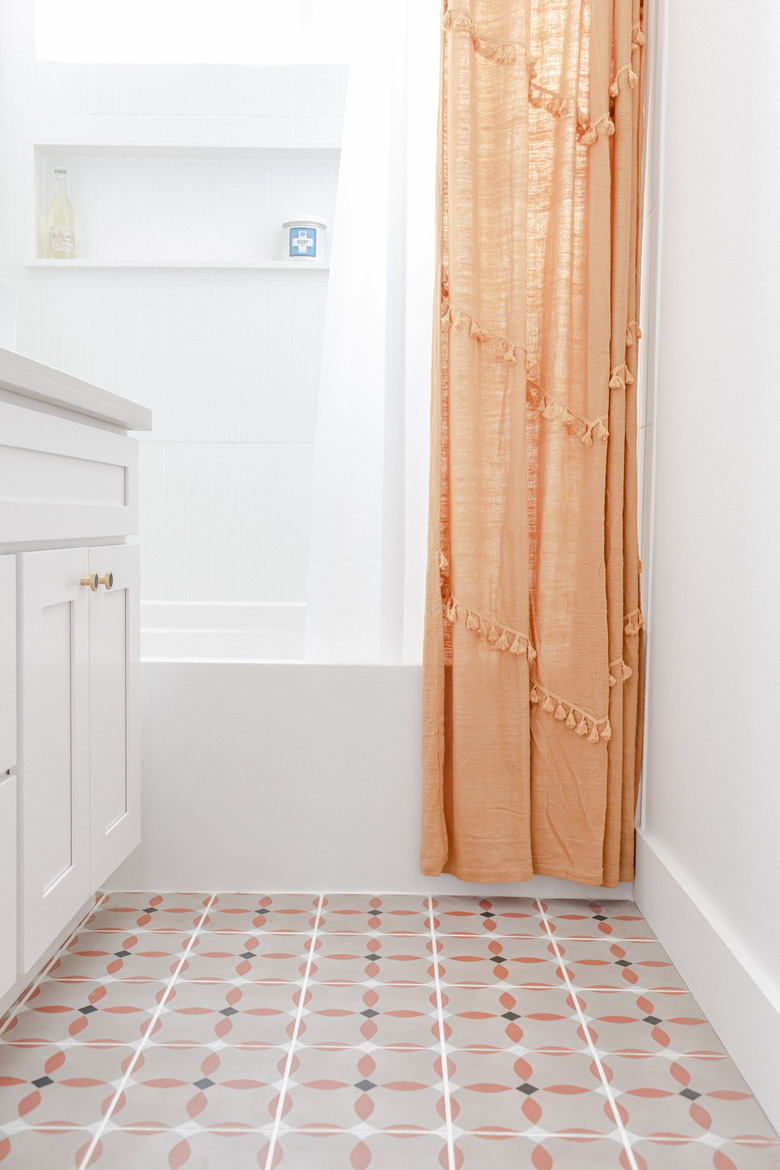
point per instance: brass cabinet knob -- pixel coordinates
(92, 580)
(107, 580)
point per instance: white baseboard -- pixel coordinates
(741, 1001)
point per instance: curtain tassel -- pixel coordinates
(582, 729)
(560, 712)
(571, 719)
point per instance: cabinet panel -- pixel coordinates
(114, 632)
(7, 663)
(8, 967)
(53, 743)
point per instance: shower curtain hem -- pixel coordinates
(501, 876)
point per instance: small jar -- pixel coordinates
(304, 238)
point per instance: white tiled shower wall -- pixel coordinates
(187, 163)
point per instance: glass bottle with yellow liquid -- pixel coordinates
(62, 236)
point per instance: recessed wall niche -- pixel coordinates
(143, 206)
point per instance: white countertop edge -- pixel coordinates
(22, 375)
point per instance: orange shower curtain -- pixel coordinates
(532, 717)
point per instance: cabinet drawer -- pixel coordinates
(60, 479)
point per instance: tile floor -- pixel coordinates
(231, 1031)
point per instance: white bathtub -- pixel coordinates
(286, 776)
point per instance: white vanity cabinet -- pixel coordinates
(69, 652)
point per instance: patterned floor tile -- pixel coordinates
(269, 913)
(488, 962)
(364, 914)
(572, 918)
(384, 1088)
(516, 917)
(693, 1095)
(230, 1087)
(87, 1012)
(617, 967)
(384, 958)
(656, 1155)
(510, 1092)
(34, 1149)
(340, 1151)
(384, 1015)
(359, 984)
(128, 912)
(625, 1021)
(501, 1017)
(258, 958)
(501, 1152)
(98, 955)
(230, 1150)
(207, 1013)
(44, 1085)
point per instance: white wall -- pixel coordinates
(185, 163)
(709, 874)
(274, 776)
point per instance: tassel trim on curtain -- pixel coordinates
(501, 637)
(548, 407)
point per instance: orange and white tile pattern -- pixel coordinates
(368, 1032)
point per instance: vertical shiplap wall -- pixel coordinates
(227, 359)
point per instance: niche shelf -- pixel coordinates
(184, 265)
(157, 202)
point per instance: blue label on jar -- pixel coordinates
(303, 241)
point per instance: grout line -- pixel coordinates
(443, 1045)
(288, 1062)
(39, 978)
(147, 1033)
(591, 1046)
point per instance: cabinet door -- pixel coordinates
(7, 663)
(114, 621)
(53, 743)
(8, 971)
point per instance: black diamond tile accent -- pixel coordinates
(247, 955)
(375, 913)
(527, 1089)
(691, 1094)
(366, 1086)
(85, 1011)
(622, 963)
(203, 1083)
(487, 914)
(122, 954)
(510, 1016)
(41, 1082)
(372, 958)
(368, 1013)
(653, 1020)
(150, 910)
(600, 917)
(228, 1011)
(497, 959)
